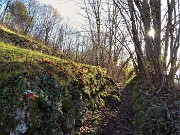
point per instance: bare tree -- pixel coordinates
(93, 12)
(152, 50)
(44, 24)
(4, 8)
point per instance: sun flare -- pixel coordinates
(151, 33)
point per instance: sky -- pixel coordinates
(68, 9)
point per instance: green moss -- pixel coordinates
(67, 104)
(6, 29)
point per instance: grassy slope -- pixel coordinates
(65, 84)
(40, 46)
(11, 54)
(22, 36)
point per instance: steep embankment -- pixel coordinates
(42, 94)
(22, 41)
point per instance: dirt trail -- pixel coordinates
(116, 117)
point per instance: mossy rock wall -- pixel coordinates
(40, 94)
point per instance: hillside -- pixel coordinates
(16, 39)
(116, 71)
(42, 94)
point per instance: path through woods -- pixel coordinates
(115, 118)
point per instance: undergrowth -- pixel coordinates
(157, 111)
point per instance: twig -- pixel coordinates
(159, 89)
